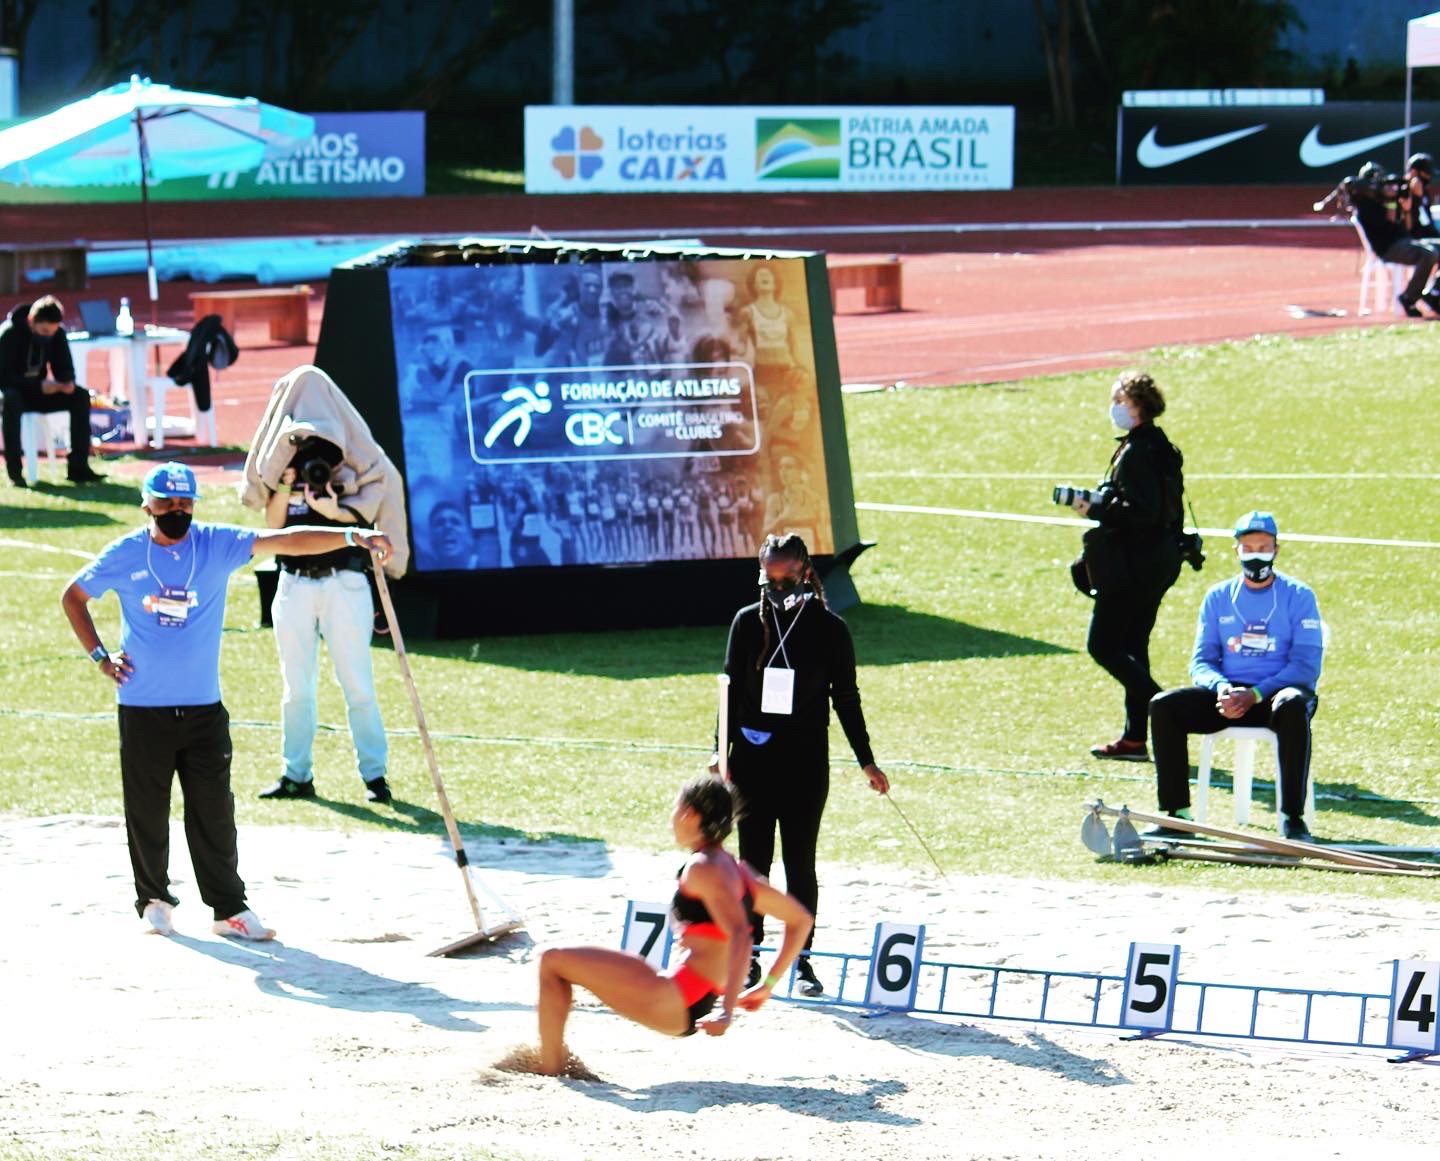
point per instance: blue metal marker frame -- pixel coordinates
(1097, 1002)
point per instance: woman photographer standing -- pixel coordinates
(1133, 556)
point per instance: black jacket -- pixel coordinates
(25, 356)
(1143, 511)
(210, 345)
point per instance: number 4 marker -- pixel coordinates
(1414, 998)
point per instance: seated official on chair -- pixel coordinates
(1259, 645)
(38, 374)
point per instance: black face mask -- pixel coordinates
(787, 594)
(174, 524)
(1258, 568)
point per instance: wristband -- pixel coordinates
(283, 489)
(350, 537)
(1259, 697)
(771, 980)
(99, 654)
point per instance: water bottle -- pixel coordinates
(124, 322)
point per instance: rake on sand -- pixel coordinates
(482, 933)
(1236, 846)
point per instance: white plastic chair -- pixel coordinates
(1243, 772)
(203, 422)
(50, 428)
(1373, 280)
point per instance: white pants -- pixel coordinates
(339, 609)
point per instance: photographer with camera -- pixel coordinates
(1132, 556)
(1259, 645)
(1384, 206)
(1419, 217)
(323, 596)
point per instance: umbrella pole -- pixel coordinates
(145, 214)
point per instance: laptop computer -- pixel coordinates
(98, 316)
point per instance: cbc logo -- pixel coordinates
(591, 429)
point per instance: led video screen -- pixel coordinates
(607, 413)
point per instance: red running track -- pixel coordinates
(1005, 298)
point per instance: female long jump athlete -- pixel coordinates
(709, 920)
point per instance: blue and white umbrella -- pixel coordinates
(141, 128)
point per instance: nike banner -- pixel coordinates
(1269, 145)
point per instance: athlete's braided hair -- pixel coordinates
(713, 801)
(786, 548)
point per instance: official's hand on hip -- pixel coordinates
(118, 668)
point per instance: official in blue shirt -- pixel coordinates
(1258, 649)
(170, 578)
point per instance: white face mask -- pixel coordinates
(1121, 416)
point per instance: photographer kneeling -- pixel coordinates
(323, 596)
(1132, 557)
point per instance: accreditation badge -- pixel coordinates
(777, 693)
(172, 606)
(1255, 640)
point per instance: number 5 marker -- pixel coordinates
(1149, 999)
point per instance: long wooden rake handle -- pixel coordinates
(461, 859)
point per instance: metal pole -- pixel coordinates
(562, 89)
(1409, 80)
(145, 213)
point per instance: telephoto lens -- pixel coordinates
(1064, 495)
(316, 472)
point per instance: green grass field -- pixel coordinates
(981, 700)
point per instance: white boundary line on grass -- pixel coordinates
(916, 475)
(11, 542)
(1065, 522)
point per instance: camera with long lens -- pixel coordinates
(1066, 494)
(316, 472)
(1369, 183)
(1191, 549)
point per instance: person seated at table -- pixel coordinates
(37, 374)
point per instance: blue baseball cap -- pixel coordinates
(1257, 521)
(172, 480)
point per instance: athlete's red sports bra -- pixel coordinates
(689, 916)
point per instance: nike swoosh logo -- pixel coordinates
(1152, 155)
(1318, 156)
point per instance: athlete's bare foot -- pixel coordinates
(526, 1058)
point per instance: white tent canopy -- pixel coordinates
(1422, 50)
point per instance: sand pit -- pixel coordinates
(341, 1039)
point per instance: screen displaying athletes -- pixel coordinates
(607, 412)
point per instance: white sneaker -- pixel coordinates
(157, 917)
(245, 925)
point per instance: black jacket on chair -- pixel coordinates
(210, 345)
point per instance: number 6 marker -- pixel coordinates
(895, 965)
(1414, 997)
(646, 932)
(1149, 998)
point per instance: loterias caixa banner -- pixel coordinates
(1269, 145)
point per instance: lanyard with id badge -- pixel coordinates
(172, 604)
(1255, 639)
(777, 692)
